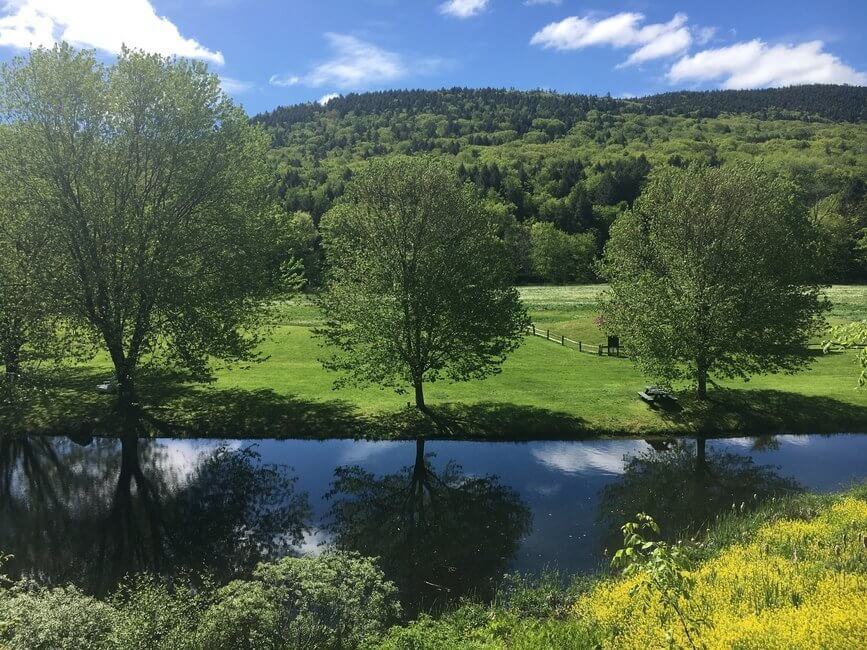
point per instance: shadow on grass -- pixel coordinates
(66, 402)
(504, 421)
(730, 410)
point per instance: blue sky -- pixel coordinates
(273, 52)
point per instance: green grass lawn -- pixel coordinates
(543, 391)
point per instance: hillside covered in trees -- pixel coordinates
(556, 170)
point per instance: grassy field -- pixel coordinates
(543, 391)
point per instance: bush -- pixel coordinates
(153, 616)
(336, 600)
(245, 615)
(54, 619)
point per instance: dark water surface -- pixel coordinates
(447, 518)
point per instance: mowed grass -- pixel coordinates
(543, 391)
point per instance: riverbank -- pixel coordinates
(545, 391)
(792, 574)
(789, 572)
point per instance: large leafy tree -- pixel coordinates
(32, 325)
(149, 185)
(712, 273)
(419, 283)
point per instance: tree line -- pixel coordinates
(578, 162)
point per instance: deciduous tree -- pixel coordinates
(149, 185)
(419, 284)
(712, 274)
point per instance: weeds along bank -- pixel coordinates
(791, 574)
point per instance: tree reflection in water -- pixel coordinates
(440, 535)
(92, 515)
(684, 487)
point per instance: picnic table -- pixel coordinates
(655, 396)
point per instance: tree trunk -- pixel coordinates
(419, 396)
(123, 375)
(701, 380)
(12, 360)
(126, 396)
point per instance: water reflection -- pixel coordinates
(684, 487)
(446, 518)
(92, 515)
(441, 535)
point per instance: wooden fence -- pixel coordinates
(580, 346)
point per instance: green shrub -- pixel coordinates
(336, 600)
(152, 616)
(544, 596)
(54, 619)
(426, 633)
(244, 615)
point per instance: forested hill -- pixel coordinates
(831, 102)
(575, 162)
(519, 109)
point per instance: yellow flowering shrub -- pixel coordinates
(796, 584)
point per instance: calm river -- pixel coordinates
(447, 518)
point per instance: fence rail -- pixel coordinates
(580, 346)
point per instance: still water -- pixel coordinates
(446, 518)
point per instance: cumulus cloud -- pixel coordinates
(621, 30)
(104, 25)
(463, 8)
(357, 64)
(755, 64)
(322, 101)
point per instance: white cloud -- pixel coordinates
(234, 86)
(104, 25)
(357, 64)
(756, 64)
(531, 3)
(621, 30)
(284, 80)
(463, 8)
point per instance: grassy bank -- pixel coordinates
(792, 574)
(543, 391)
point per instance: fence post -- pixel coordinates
(580, 349)
(599, 350)
(534, 329)
(548, 334)
(562, 340)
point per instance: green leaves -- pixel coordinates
(850, 335)
(419, 284)
(664, 570)
(713, 274)
(149, 186)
